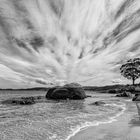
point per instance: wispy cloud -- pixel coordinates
(45, 42)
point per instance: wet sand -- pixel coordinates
(126, 127)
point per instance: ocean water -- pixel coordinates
(54, 120)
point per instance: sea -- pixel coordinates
(55, 120)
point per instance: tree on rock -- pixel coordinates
(131, 69)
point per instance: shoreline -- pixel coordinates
(121, 124)
(96, 124)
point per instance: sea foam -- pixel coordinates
(86, 125)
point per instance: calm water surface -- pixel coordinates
(53, 120)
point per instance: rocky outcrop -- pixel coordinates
(23, 100)
(136, 97)
(116, 91)
(124, 94)
(72, 91)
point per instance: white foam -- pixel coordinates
(96, 123)
(128, 100)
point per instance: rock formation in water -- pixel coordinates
(124, 94)
(70, 91)
(136, 97)
(98, 103)
(23, 100)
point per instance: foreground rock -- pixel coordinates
(136, 97)
(23, 100)
(124, 94)
(98, 103)
(72, 91)
(89, 96)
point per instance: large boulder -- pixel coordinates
(136, 97)
(70, 91)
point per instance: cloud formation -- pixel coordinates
(52, 42)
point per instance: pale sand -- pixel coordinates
(126, 127)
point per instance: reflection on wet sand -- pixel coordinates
(135, 121)
(138, 107)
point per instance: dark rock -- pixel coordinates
(60, 93)
(88, 96)
(22, 100)
(112, 91)
(50, 91)
(136, 91)
(19, 101)
(136, 97)
(98, 103)
(39, 97)
(124, 94)
(70, 91)
(130, 89)
(121, 90)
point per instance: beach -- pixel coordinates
(69, 69)
(116, 119)
(124, 127)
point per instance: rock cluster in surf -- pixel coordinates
(23, 100)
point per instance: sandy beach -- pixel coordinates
(116, 119)
(125, 127)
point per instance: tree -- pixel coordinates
(131, 69)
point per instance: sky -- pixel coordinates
(53, 42)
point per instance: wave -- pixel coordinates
(86, 125)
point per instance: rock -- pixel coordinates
(131, 89)
(22, 100)
(88, 96)
(70, 91)
(136, 97)
(60, 93)
(112, 91)
(121, 90)
(19, 101)
(98, 103)
(50, 91)
(124, 94)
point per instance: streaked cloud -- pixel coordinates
(52, 42)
